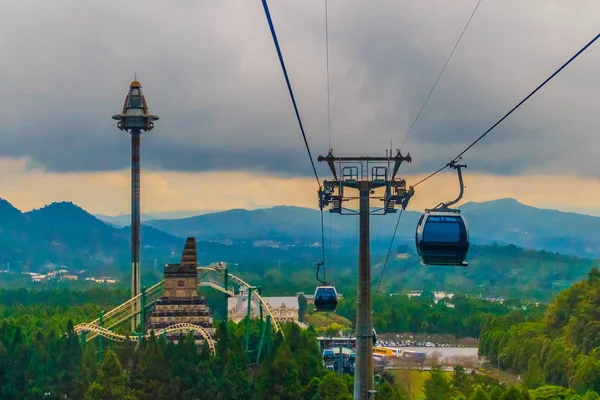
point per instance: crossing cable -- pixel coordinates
(327, 58)
(389, 251)
(323, 247)
(291, 92)
(419, 115)
(415, 122)
(512, 110)
(440, 75)
(289, 86)
(329, 137)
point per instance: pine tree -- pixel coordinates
(387, 392)
(534, 377)
(460, 380)
(312, 388)
(512, 393)
(279, 378)
(332, 387)
(437, 387)
(478, 394)
(111, 382)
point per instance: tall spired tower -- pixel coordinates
(134, 119)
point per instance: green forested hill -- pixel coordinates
(563, 348)
(500, 271)
(63, 233)
(504, 221)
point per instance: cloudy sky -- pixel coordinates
(227, 135)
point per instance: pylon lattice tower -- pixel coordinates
(134, 119)
(367, 175)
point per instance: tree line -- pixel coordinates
(460, 385)
(38, 365)
(461, 316)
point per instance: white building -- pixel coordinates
(284, 308)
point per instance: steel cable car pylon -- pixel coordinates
(365, 175)
(442, 236)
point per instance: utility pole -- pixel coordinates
(340, 368)
(226, 286)
(100, 338)
(367, 175)
(134, 119)
(249, 319)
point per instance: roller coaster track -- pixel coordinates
(124, 311)
(184, 327)
(255, 296)
(217, 286)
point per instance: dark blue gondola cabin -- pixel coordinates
(442, 238)
(326, 298)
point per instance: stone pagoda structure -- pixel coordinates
(180, 302)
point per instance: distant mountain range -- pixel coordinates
(122, 220)
(504, 221)
(63, 233)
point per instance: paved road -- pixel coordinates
(445, 352)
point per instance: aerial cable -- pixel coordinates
(440, 75)
(389, 251)
(413, 125)
(329, 136)
(291, 92)
(327, 63)
(323, 247)
(432, 174)
(455, 159)
(289, 86)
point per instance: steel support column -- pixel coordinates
(367, 175)
(101, 339)
(135, 223)
(134, 118)
(226, 285)
(248, 319)
(363, 370)
(143, 313)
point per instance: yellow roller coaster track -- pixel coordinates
(124, 311)
(255, 296)
(184, 327)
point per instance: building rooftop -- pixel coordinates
(238, 304)
(287, 301)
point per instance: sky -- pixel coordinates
(227, 135)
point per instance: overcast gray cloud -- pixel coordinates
(210, 71)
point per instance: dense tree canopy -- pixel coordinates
(561, 348)
(461, 316)
(42, 357)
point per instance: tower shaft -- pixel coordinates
(135, 221)
(363, 369)
(134, 119)
(365, 174)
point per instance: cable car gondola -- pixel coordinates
(442, 236)
(326, 298)
(325, 294)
